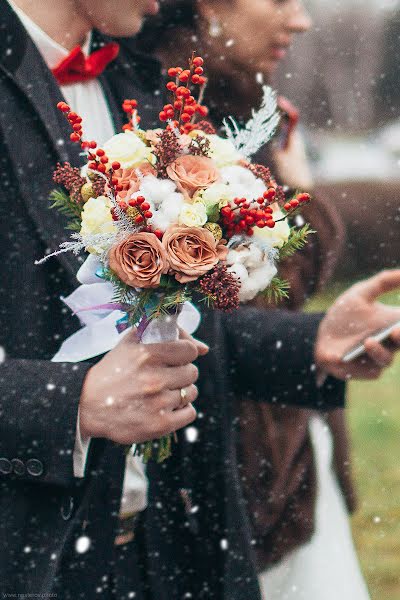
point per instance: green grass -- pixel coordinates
(374, 421)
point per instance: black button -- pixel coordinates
(5, 466)
(18, 466)
(34, 467)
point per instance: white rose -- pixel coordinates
(276, 237)
(218, 194)
(96, 219)
(222, 151)
(193, 215)
(127, 149)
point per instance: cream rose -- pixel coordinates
(96, 219)
(127, 149)
(193, 215)
(222, 151)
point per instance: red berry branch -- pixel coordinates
(184, 108)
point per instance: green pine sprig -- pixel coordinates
(62, 202)
(277, 290)
(297, 240)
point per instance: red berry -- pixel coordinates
(195, 79)
(84, 145)
(184, 76)
(104, 160)
(73, 116)
(270, 224)
(202, 80)
(158, 233)
(101, 168)
(74, 137)
(93, 166)
(139, 219)
(250, 232)
(148, 214)
(199, 70)
(189, 110)
(163, 116)
(202, 110)
(287, 206)
(116, 165)
(92, 144)
(119, 188)
(100, 152)
(198, 61)
(185, 117)
(123, 205)
(304, 197)
(294, 203)
(140, 199)
(260, 224)
(172, 72)
(145, 206)
(65, 108)
(171, 86)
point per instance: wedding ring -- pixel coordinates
(183, 397)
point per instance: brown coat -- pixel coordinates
(274, 446)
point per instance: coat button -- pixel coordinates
(5, 466)
(34, 467)
(18, 466)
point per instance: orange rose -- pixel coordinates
(192, 173)
(129, 179)
(139, 260)
(192, 251)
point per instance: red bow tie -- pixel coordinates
(76, 68)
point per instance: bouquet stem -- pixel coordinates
(163, 328)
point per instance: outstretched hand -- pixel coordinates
(354, 316)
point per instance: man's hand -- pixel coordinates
(134, 393)
(353, 317)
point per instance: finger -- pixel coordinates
(175, 400)
(176, 378)
(395, 337)
(202, 348)
(173, 354)
(383, 282)
(181, 418)
(378, 353)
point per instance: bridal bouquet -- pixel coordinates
(170, 215)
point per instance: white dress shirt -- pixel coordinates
(88, 100)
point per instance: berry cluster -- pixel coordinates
(97, 156)
(184, 107)
(70, 178)
(222, 288)
(139, 211)
(245, 215)
(295, 202)
(130, 108)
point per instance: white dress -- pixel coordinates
(327, 567)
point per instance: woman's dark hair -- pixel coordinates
(172, 14)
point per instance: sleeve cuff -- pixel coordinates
(81, 451)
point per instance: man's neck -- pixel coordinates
(51, 16)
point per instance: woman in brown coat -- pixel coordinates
(242, 43)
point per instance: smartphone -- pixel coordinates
(379, 336)
(289, 119)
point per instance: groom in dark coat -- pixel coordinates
(196, 530)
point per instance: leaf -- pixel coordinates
(259, 129)
(297, 240)
(277, 290)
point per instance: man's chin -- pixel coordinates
(125, 29)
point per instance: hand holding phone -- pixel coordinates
(379, 336)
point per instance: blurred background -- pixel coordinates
(344, 76)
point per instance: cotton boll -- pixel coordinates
(159, 221)
(257, 281)
(243, 182)
(172, 205)
(239, 271)
(156, 190)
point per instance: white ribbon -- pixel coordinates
(100, 334)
